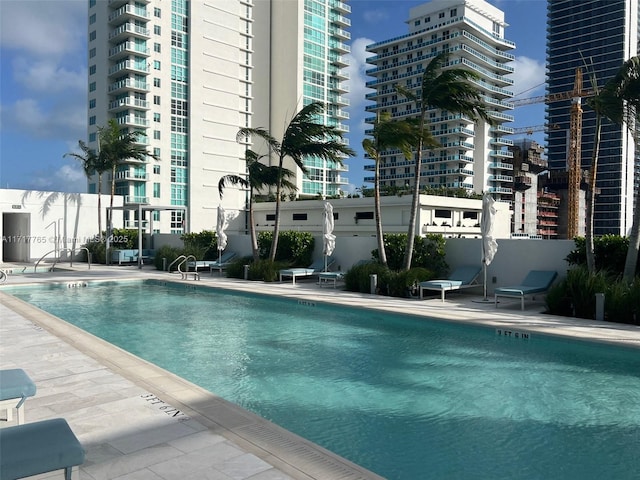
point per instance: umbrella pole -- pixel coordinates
(484, 267)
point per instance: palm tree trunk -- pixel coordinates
(276, 226)
(382, 254)
(631, 261)
(415, 204)
(591, 197)
(252, 229)
(100, 206)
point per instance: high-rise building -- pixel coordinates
(472, 156)
(298, 59)
(601, 34)
(188, 74)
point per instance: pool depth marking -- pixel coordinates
(513, 334)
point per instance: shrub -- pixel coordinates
(428, 252)
(235, 269)
(405, 283)
(97, 250)
(294, 247)
(610, 253)
(168, 253)
(203, 245)
(265, 270)
(357, 277)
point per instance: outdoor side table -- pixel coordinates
(15, 388)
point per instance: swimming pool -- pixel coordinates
(401, 396)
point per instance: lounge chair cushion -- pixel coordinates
(15, 383)
(536, 281)
(39, 447)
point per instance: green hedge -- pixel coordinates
(294, 248)
(428, 252)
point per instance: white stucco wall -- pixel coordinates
(36, 223)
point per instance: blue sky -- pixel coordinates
(43, 81)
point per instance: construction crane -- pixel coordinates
(574, 156)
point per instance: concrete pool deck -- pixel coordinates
(138, 421)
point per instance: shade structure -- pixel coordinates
(328, 238)
(489, 243)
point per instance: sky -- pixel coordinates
(43, 82)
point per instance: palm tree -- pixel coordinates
(387, 135)
(303, 137)
(625, 87)
(91, 164)
(116, 146)
(258, 176)
(445, 89)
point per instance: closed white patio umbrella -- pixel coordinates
(328, 238)
(489, 243)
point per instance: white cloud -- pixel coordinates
(67, 178)
(528, 77)
(43, 27)
(357, 76)
(66, 120)
(48, 77)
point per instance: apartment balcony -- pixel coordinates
(128, 30)
(339, 87)
(128, 84)
(134, 223)
(128, 66)
(341, 114)
(126, 49)
(132, 121)
(340, 33)
(135, 200)
(500, 190)
(501, 166)
(128, 102)
(128, 12)
(501, 178)
(341, 7)
(133, 176)
(338, 180)
(501, 154)
(340, 20)
(448, 172)
(501, 129)
(340, 47)
(339, 61)
(118, 3)
(501, 142)
(340, 74)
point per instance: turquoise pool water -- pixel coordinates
(404, 397)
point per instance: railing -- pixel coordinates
(57, 259)
(181, 257)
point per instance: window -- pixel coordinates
(156, 190)
(156, 152)
(156, 216)
(299, 216)
(442, 213)
(471, 215)
(92, 19)
(92, 3)
(156, 29)
(416, 23)
(156, 82)
(453, 12)
(92, 87)
(156, 12)
(92, 137)
(441, 15)
(156, 47)
(156, 64)
(92, 35)
(156, 134)
(92, 70)
(92, 120)
(271, 217)
(364, 216)
(156, 100)
(92, 53)
(156, 169)
(92, 103)
(156, 117)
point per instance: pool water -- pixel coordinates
(406, 397)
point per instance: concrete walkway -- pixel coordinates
(138, 421)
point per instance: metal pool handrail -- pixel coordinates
(181, 257)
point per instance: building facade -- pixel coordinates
(473, 156)
(298, 56)
(187, 75)
(603, 34)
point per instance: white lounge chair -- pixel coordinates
(316, 267)
(536, 281)
(462, 277)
